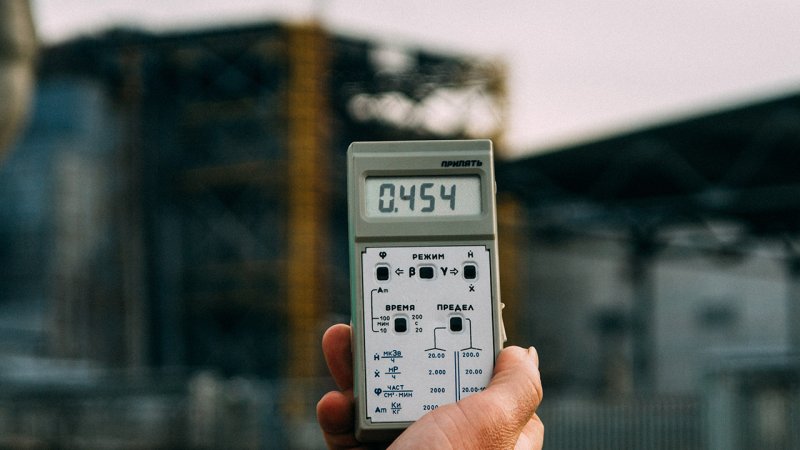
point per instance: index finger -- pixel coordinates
(338, 355)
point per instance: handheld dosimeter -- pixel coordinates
(426, 311)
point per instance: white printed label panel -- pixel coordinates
(427, 328)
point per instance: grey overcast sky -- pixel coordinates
(579, 69)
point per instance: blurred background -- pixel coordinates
(173, 229)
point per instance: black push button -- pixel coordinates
(400, 324)
(382, 273)
(426, 272)
(456, 324)
(470, 271)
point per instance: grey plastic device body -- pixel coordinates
(407, 159)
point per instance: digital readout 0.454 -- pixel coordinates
(431, 196)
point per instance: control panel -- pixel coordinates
(426, 328)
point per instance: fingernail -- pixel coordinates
(534, 355)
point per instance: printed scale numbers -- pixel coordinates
(428, 328)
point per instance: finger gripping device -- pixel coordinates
(426, 311)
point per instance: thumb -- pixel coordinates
(492, 419)
(510, 400)
(516, 374)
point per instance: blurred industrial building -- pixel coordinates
(173, 238)
(662, 267)
(174, 218)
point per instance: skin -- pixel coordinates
(501, 417)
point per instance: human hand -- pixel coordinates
(501, 417)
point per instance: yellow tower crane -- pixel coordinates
(17, 53)
(307, 171)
